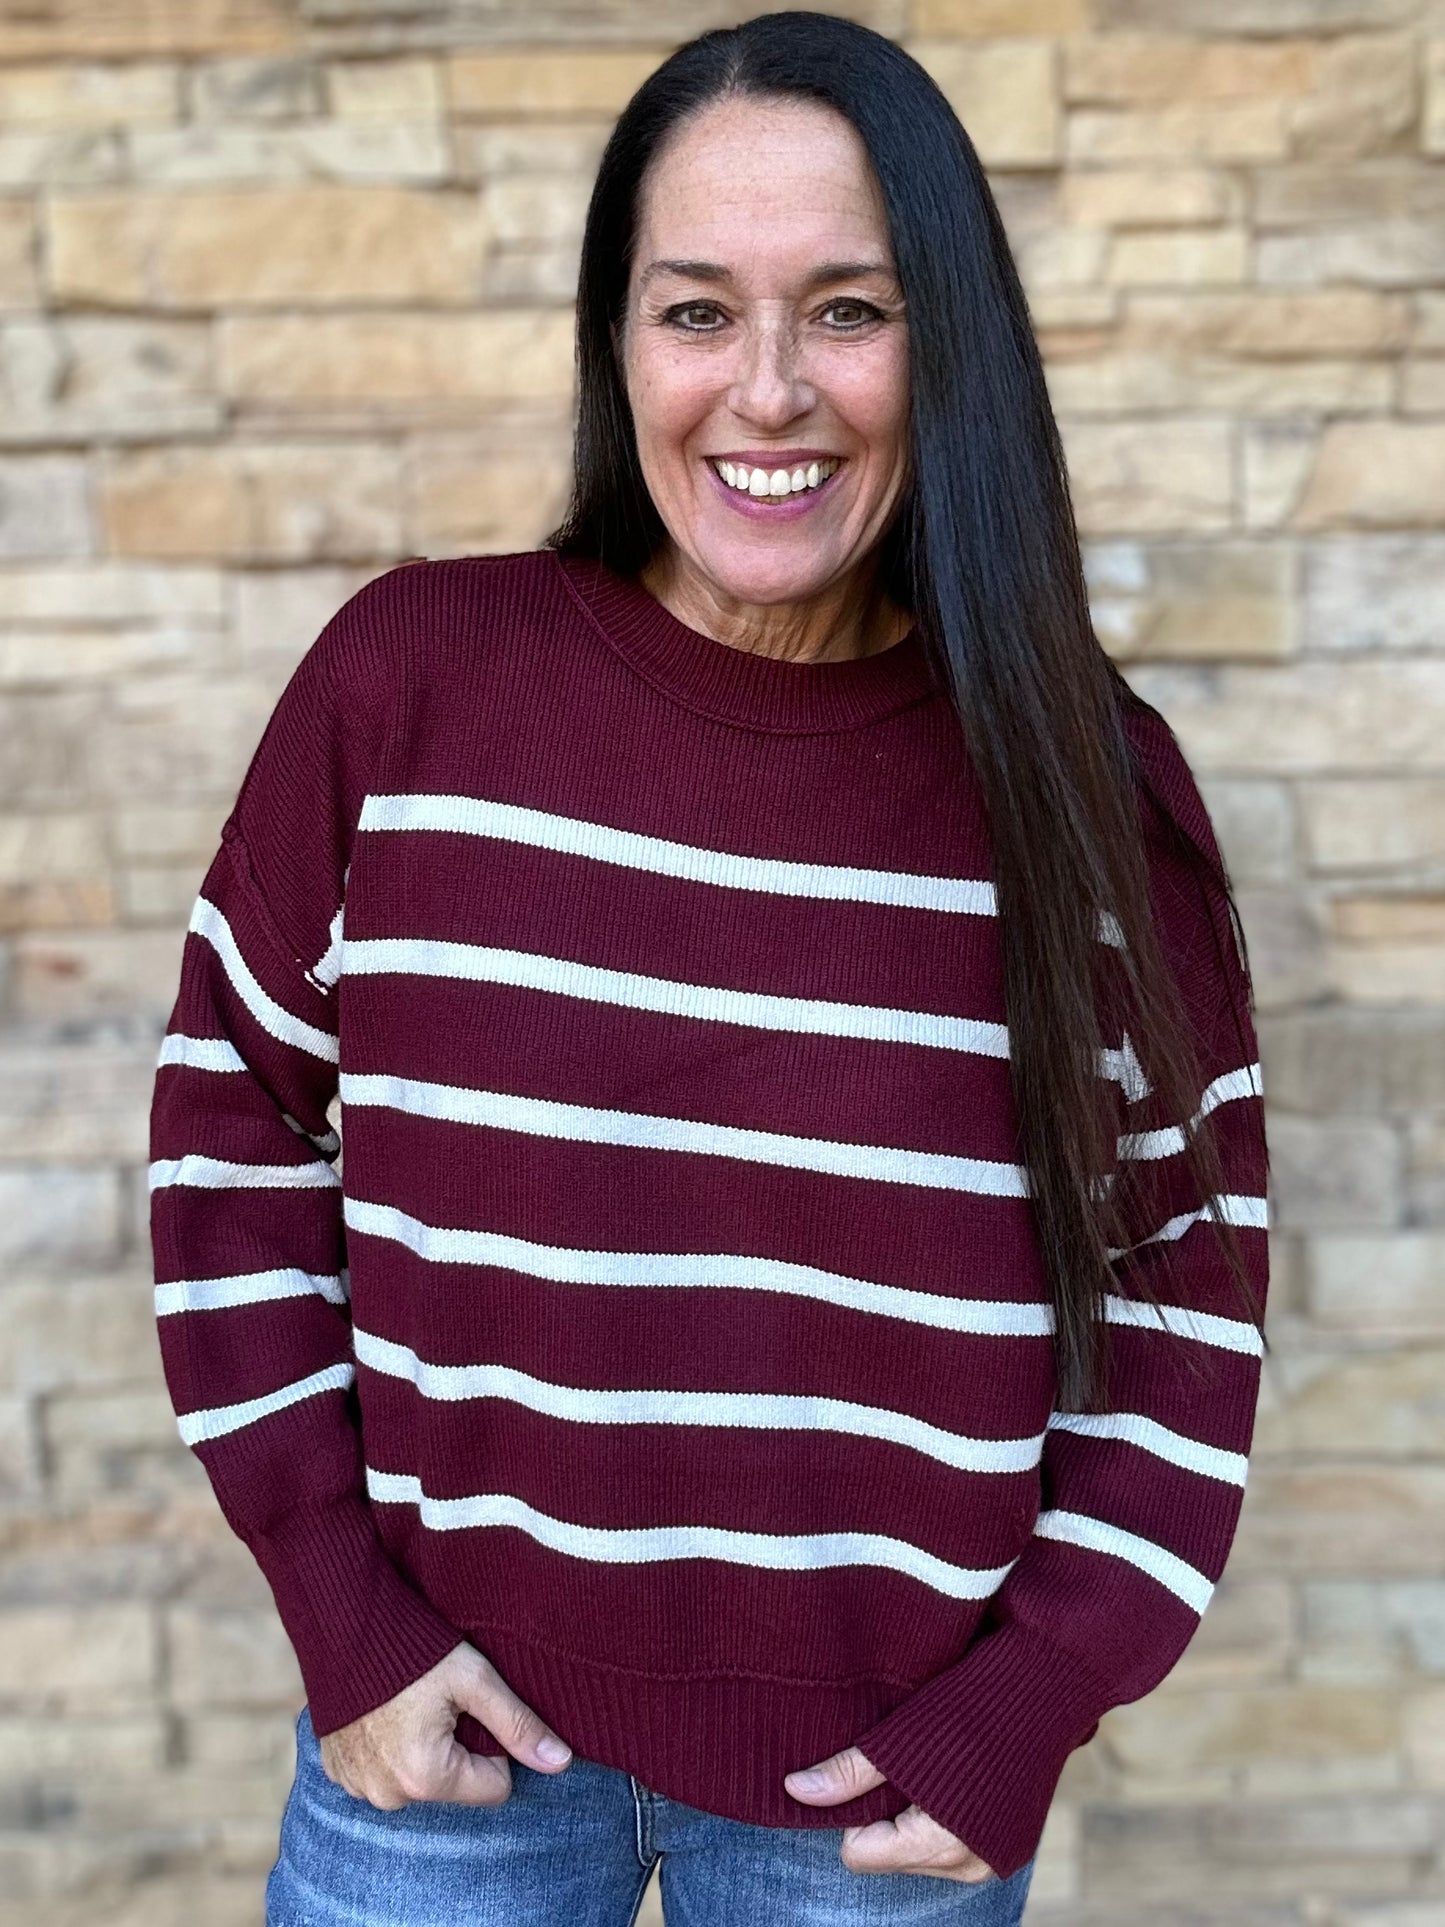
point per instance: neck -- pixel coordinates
(854, 616)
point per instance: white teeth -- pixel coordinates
(777, 483)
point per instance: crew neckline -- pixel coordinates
(736, 685)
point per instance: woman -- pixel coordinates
(793, 1037)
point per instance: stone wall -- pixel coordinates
(284, 297)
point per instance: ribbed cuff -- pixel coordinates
(361, 1632)
(981, 1746)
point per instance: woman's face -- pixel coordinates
(765, 330)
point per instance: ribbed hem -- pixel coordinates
(718, 1742)
(981, 1746)
(360, 1632)
(737, 685)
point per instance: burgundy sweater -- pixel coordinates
(678, 1333)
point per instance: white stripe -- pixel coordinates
(542, 1117)
(327, 968)
(760, 1411)
(577, 836)
(1138, 1429)
(1078, 1529)
(695, 1270)
(219, 1174)
(777, 1552)
(217, 1420)
(209, 922)
(1246, 1082)
(480, 963)
(1237, 1208)
(247, 1288)
(1233, 1334)
(200, 1053)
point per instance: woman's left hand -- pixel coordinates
(909, 1843)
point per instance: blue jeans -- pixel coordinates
(575, 1849)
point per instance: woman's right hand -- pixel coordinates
(406, 1749)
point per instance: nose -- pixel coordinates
(770, 387)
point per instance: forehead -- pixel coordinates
(756, 181)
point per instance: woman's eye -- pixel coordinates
(691, 308)
(863, 312)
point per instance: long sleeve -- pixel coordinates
(248, 1241)
(1138, 1504)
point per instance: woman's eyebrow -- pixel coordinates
(827, 271)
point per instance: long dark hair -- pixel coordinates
(984, 553)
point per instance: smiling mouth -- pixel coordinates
(775, 485)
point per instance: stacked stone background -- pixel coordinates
(285, 297)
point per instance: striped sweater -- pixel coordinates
(677, 1332)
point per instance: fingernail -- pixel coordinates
(553, 1750)
(810, 1781)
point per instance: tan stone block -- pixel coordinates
(488, 150)
(44, 507)
(252, 501)
(1251, 130)
(1403, 1271)
(1277, 458)
(112, 591)
(1363, 100)
(534, 209)
(1063, 257)
(80, 378)
(1219, 628)
(1345, 1518)
(1381, 1403)
(405, 87)
(65, 974)
(261, 1741)
(53, 1215)
(56, 846)
(1384, 973)
(1375, 474)
(1005, 93)
(69, 29)
(1188, 256)
(1149, 197)
(220, 1658)
(362, 365)
(171, 830)
(122, 1442)
(80, 1103)
(1310, 718)
(1429, 308)
(1233, 1727)
(19, 284)
(1373, 822)
(548, 80)
(1068, 319)
(1124, 381)
(1146, 475)
(48, 657)
(1432, 133)
(1246, 1636)
(1269, 325)
(278, 614)
(21, 1474)
(256, 247)
(381, 152)
(1422, 386)
(1424, 1736)
(178, 737)
(253, 88)
(1389, 919)
(1254, 821)
(37, 159)
(86, 94)
(1387, 252)
(989, 19)
(56, 904)
(1340, 195)
(101, 1656)
(82, 1747)
(1340, 1173)
(467, 497)
(1164, 68)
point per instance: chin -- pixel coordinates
(763, 577)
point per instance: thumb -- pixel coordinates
(842, 1776)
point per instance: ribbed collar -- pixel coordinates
(735, 685)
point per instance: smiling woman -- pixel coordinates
(777, 1343)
